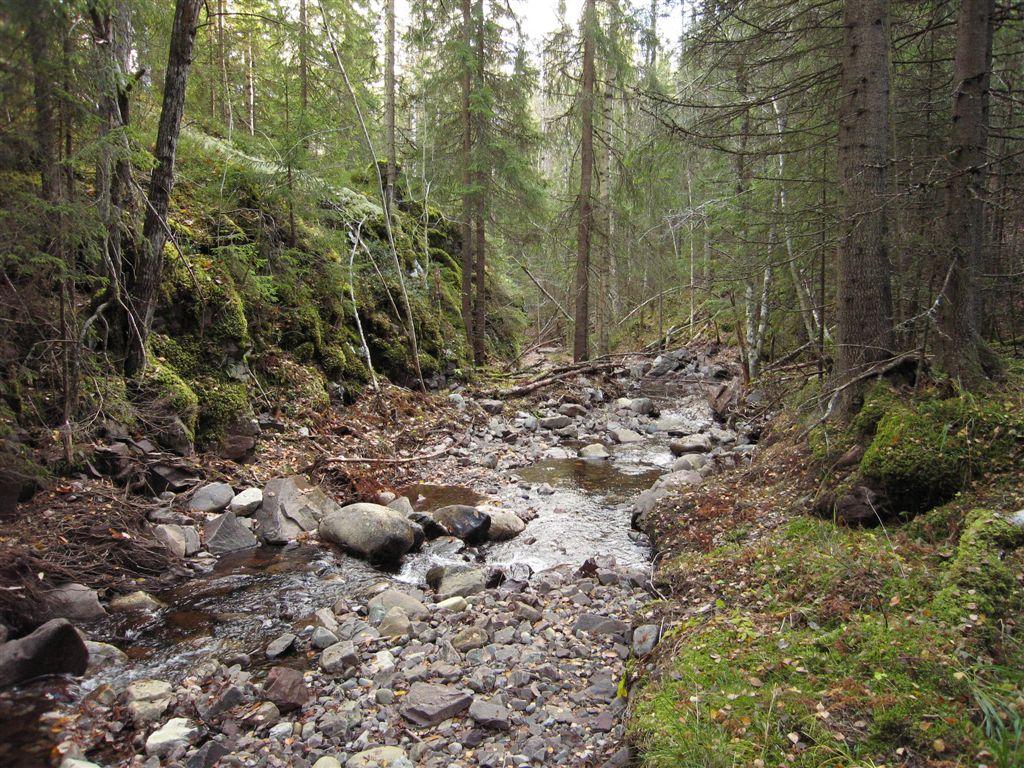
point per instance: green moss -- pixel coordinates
(106, 396)
(222, 406)
(164, 391)
(183, 354)
(879, 400)
(979, 580)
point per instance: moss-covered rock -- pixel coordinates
(223, 408)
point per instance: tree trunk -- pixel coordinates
(960, 349)
(250, 86)
(864, 302)
(144, 279)
(303, 65)
(467, 175)
(222, 54)
(480, 309)
(389, 96)
(580, 345)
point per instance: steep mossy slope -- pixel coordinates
(258, 307)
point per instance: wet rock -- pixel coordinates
(490, 714)
(461, 583)
(555, 422)
(380, 757)
(246, 502)
(430, 527)
(211, 498)
(645, 637)
(147, 700)
(75, 602)
(464, 522)
(176, 732)
(370, 531)
(74, 762)
(223, 701)
(625, 436)
(594, 451)
(225, 534)
(504, 525)
(380, 604)
(281, 645)
(395, 623)
(53, 648)
(644, 503)
(428, 704)
(699, 443)
(181, 540)
(103, 655)
(492, 406)
(339, 657)
(291, 506)
(286, 688)
(135, 601)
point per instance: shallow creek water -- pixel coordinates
(580, 508)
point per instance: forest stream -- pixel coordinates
(518, 662)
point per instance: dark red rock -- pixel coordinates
(286, 688)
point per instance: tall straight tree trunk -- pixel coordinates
(144, 278)
(389, 100)
(580, 342)
(961, 351)
(303, 65)
(250, 86)
(222, 53)
(467, 173)
(480, 271)
(863, 295)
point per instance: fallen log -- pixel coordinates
(554, 378)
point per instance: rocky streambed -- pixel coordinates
(501, 648)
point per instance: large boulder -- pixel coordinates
(427, 704)
(75, 602)
(213, 497)
(54, 648)
(291, 506)
(504, 525)
(370, 531)
(225, 534)
(464, 522)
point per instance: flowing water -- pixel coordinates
(579, 509)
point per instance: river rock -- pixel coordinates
(207, 755)
(625, 436)
(53, 648)
(555, 422)
(676, 425)
(135, 601)
(339, 657)
(279, 646)
(210, 498)
(103, 655)
(694, 462)
(574, 410)
(403, 505)
(395, 623)
(428, 704)
(176, 732)
(75, 602)
(461, 583)
(641, 405)
(181, 540)
(147, 700)
(291, 506)
(225, 534)
(645, 637)
(380, 757)
(286, 688)
(699, 443)
(504, 525)
(594, 451)
(679, 478)
(246, 502)
(327, 761)
(492, 406)
(490, 714)
(370, 531)
(596, 624)
(464, 522)
(458, 603)
(322, 638)
(380, 604)
(469, 638)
